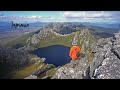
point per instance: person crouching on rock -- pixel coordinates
(75, 54)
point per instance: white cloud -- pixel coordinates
(21, 18)
(88, 18)
(66, 16)
(34, 17)
(86, 15)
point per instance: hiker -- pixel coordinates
(75, 54)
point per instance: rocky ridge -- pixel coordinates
(105, 64)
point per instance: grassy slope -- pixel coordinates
(21, 40)
(28, 70)
(65, 41)
(85, 41)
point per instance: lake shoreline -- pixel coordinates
(56, 52)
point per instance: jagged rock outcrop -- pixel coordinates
(105, 64)
(69, 71)
(34, 39)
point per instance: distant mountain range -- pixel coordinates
(7, 25)
(34, 23)
(105, 25)
(37, 24)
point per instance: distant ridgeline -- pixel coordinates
(16, 25)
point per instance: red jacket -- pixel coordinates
(73, 51)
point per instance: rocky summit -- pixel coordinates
(71, 71)
(105, 63)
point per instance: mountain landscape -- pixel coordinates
(100, 45)
(104, 65)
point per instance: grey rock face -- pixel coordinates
(110, 68)
(101, 50)
(106, 62)
(35, 39)
(75, 40)
(71, 71)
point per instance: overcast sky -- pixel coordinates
(60, 16)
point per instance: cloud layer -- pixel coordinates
(20, 18)
(85, 16)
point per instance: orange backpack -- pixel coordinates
(74, 51)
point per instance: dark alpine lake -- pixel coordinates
(56, 54)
